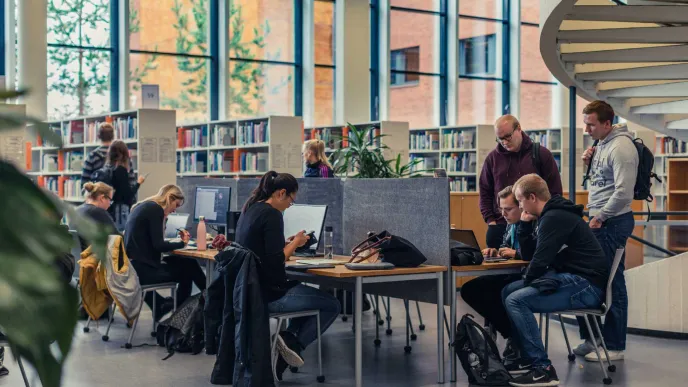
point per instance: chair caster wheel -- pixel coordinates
(414, 337)
(377, 342)
(321, 379)
(607, 381)
(388, 332)
(127, 345)
(153, 334)
(421, 327)
(105, 338)
(572, 357)
(612, 368)
(87, 329)
(381, 323)
(407, 349)
(294, 369)
(344, 318)
(128, 325)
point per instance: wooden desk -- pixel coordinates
(492, 268)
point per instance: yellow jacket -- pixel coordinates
(94, 292)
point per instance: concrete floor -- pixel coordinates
(649, 361)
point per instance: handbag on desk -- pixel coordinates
(390, 248)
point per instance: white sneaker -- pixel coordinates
(289, 355)
(613, 355)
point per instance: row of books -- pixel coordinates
(72, 188)
(221, 135)
(332, 137)
(49, 163)
(670, 146)
(252, 133)
(462, 184)
(425, 164)
(72, 132)
(72, 161)
(221, 161)
(191, 163)
(459, 162)
(424, 141)
(458, 139)
(549, 139)
(126, 128)
(253, 162)
(91, 132)
(51, 184)
(192, 138)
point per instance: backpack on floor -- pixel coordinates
(478, 355)
(183, 330)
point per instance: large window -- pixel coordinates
(324, 31)
(482, 76)
(79, 53)
(405, 61)
(169, 43)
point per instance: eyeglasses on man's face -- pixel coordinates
(508, 137)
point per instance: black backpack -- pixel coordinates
(645, 174)
(535, 154)
(463, 254)
(478, 355)
(183, 331)
(103, 175)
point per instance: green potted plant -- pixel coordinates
(37, 309)
(364, 157)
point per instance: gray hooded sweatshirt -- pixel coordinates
(613, 174)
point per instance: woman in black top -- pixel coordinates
(98, 199)
(125, 192)
(261, 230)
(144, 242)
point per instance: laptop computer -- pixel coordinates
(308, 217)
(468, 237)
(175, 221)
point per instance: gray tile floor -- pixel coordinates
(649, 361)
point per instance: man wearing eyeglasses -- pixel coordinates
(514, 156)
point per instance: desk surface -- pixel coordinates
(510, 264)
(337, 272)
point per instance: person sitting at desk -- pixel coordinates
(568, 270)
(144, 242)
(261, 230)
(484, 294)
(317, 164)
(98, 199)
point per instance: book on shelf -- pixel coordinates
(73, 161)
(424, 141)
(670, 146)
(253, 162)
(540, 137)
(221, 161)
(73, 132)
(459, 162)
(51, 183)
(223, 135)
(425, 163)
(49, 163)
(126, 128)
(192, 163)
(192, 138)
(334, 138)
(458, 139)
(555, 140)
(251, 132)
(72, 188)
(462, 184)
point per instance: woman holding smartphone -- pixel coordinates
(125, 192)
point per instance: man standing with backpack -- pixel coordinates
(515, 156)
(612, 179)
(96, 159)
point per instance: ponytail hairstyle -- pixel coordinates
(96, 190)
(318, 149)
(166, 195)
(269, 184)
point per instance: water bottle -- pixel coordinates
(329, 235)
(201, 240)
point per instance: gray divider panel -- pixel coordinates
(415, 209)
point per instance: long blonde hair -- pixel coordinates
(96, 190)
(318, 149)
(166, 195)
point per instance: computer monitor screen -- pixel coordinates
(307, 217)
(174, 222)
(213, 204)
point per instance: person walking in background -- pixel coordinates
(125, 193)
(515, 156)
(317, 164)
(96, 159)
(610, 194)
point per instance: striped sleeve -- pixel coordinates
(93, 162)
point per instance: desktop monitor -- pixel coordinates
(307, 217)
(213, 204)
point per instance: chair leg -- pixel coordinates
(572, 357)
(410, 322)
(421, 326)
(407, 348)
(611, 367)
(127, 345)
(546, 332)
(87, 328)
(321, 377)
(389, 316)
(446, 324)
(607, 379)
(111, 309)
(154, 309)
(344, 316)
(23, 372)
(379, 320)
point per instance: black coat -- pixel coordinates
(243, 357)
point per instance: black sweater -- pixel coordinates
(564, 243)
(143, 236)
(125, 192)
(98, 215)
(261, 230)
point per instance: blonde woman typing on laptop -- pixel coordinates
(261, 230)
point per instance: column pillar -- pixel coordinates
(352, 75)
(32, 32)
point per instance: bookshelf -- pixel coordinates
(460, 150)
(13, 141)
(677, 200)
(240, 148)
(149, 134)
(557, 141)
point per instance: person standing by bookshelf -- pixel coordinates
(614, 171)
(96, 159)
(317, 164)
(118, 163)
(514, 156)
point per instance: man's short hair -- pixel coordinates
(506, 192)
(533, 184)
(603, 110)
(106, 133)
(508, 118)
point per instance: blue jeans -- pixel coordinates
(613, 235)
(301, 298)
(522, 301)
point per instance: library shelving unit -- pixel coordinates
(677, 200)
(460, 150)
(240, 148)
(557, 141)
(13, 141)
(149, 134)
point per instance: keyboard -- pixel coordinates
(320, 261)
(307, 255)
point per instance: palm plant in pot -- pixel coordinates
(38, 310)
(361, 154)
